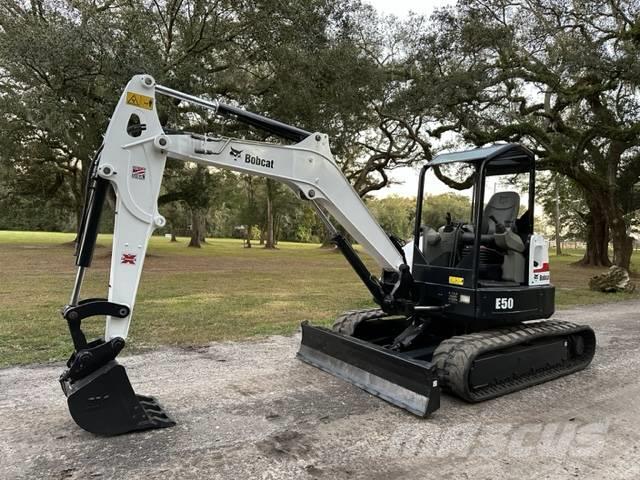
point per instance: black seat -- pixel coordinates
(453, 245)
(503, 207)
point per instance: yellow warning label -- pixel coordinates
(456, 280)
(138, 100)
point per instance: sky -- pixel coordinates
(407, 178)
(402, 7)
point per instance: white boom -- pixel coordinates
(135, 164)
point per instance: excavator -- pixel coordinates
(462, 307)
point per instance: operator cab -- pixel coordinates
(502, 243)
(483, 260)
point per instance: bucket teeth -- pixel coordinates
(155, 411)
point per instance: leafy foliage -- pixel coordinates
(560, 76)
(397, 214)
(314, 63)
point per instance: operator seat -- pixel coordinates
(501, 247)
(503, 207)
(499, 223)
(499, 242)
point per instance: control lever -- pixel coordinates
(500, 228)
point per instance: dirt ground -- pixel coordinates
(250, 410)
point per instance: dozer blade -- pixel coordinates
(104, 403)
(409, 384)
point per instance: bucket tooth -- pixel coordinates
(404, 382)
(104, 403)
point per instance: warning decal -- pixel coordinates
(138, 100)
(456, 280)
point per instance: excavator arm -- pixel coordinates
(132, 161)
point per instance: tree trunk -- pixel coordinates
(196, 229)
(276, 229)
(250, 211)
(79, 201)
(622, 243)
(270, 243)
(173, 235)
(597, 251)
(78, 214)
(248, 237)
(326, 240)
(558, 239)
(606, 221)
(203, 228)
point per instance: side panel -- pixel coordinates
(538, 261)
(490, 307)
(513, 305)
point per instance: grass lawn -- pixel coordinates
(572, 282)
(195, 296)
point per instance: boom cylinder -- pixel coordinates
(273, 126)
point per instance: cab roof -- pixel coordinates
(504, 156)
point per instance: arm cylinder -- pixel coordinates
(89, 233)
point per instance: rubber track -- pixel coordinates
(347, 322)
(455, 356)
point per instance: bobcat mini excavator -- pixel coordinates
(460, 307)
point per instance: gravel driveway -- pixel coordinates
(251, 410)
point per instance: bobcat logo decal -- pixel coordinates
(235, 154)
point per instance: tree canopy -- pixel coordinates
(560, 76)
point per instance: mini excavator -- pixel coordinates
(462, 307)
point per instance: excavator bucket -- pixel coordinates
(405, 382)
(104, 403)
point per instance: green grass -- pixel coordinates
(187, 296)
(194, 296)
(572, 281)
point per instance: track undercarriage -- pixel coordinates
(474, 366)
